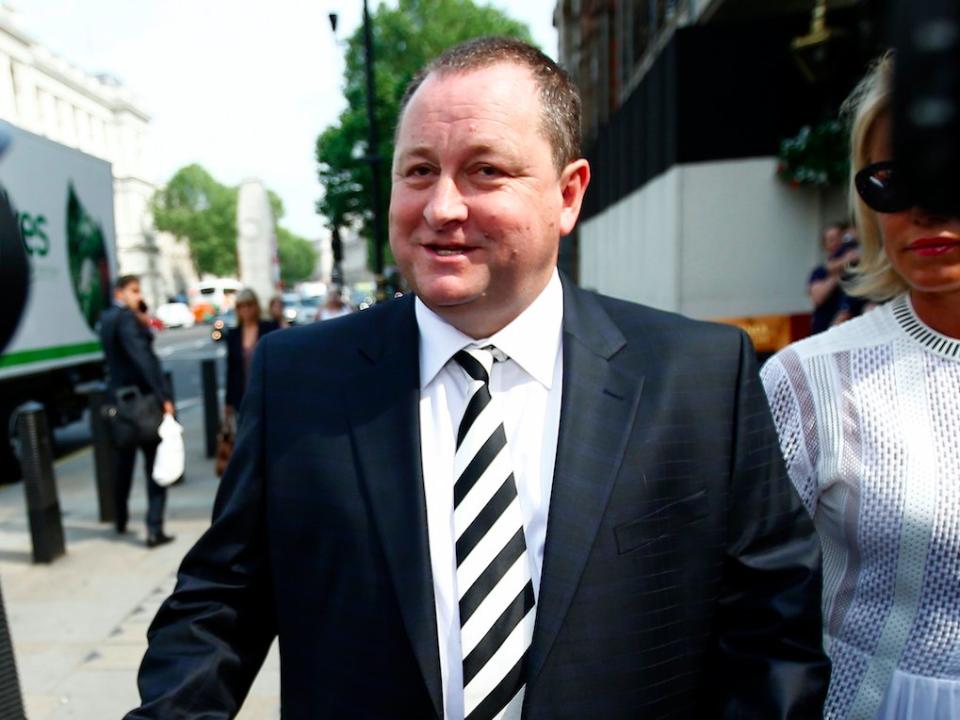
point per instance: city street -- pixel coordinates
(181, 350)
(79, 624)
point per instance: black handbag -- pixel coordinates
(135, 418)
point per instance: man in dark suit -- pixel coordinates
(506, 496)
(131, 362)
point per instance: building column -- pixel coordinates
(8, 101)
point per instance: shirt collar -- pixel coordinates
(531, 339)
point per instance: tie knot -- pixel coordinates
(477, 362)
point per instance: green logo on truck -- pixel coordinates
(33, 230)
(89, 268)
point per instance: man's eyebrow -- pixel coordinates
(478, 148)
(420, 149)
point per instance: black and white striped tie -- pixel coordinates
(493, 571)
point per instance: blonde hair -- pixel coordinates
(247, 295)
(874, 277)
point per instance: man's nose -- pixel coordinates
(446, 204)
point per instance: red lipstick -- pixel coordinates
(932, 246)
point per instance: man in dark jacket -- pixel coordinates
(131, 362)
(503, 495)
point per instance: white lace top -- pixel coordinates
(869, 421)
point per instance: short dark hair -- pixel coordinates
(125, 280)
(559, 97)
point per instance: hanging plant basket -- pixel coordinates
(817, 156)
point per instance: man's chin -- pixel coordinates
(447, 293)
(441, 303)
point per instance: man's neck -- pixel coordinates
(479, 323)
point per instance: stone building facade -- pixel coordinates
(46, 95)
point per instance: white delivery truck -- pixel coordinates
(64, 202)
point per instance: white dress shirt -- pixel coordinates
(527, 388)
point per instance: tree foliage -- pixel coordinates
(195, 206)
(405, 38)
(298, 258)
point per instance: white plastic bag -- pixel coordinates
(168, 465)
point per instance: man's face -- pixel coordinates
(477, 207)
(832, 238)
(129, 295)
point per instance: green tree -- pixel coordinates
(405, 38)
(193, 205)
(297, 257)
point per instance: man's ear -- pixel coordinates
(573, 184)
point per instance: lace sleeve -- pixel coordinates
(794, 415)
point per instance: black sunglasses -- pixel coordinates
(881, 187)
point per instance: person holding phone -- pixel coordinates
(131, 362)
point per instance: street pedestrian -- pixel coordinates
(868, 415)
(131, 363)
(334, 306)
(500, 491)
(241, 342)
(831, 305)
(275, 311)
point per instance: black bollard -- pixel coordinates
(11, 700)
(211, 405)
(39, 483)
(103, 452)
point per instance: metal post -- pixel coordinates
(39, 483)
(11, 699)
(211, 404)
(373, 153)
(103, 453)
(336, 247)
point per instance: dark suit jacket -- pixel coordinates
(681, 575)
(236, 372)
(128, 349)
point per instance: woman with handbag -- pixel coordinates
(241, 342)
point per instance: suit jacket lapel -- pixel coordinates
(384, 409)
(598, 408)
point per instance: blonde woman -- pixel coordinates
(241, 342)
(869, 420)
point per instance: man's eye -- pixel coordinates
(488, 171)
(419, 171)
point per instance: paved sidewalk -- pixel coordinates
(79, 625)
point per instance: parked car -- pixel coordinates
(307, 309)
(292, 310)
(174, 315)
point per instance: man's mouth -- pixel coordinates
(449, 250)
